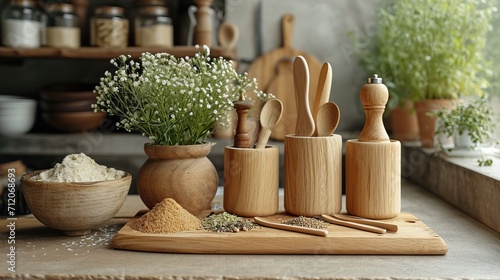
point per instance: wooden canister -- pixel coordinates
(313, 175)
(373, 179)
(251, 181)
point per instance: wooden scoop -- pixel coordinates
(313, 231)
(328, 119)
(270, 115)
(228, 35)
(305, 121)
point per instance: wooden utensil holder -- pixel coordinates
(373, 179)
(313, 175)
(251, 181)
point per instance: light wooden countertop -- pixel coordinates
(43, 253)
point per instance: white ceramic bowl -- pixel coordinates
(17, 115)
(74, 208)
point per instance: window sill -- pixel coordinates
(458, 180)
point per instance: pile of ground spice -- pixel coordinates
(302, 221)
(225, 222)
(166, 217)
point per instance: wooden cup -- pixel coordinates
(373, 179)
(313, 175)
(251, 181)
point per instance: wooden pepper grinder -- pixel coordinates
(373, 161)
(374, 96)
(242, 137)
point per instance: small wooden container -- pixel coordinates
(251, 181)
(313, 175)
(373, 179)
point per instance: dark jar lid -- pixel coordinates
(145, 3)
(23, 3)
(154, 11)
(109, 10)
(60, 8)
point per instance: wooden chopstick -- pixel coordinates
(388, 226)
(336, 221)
(313, 231)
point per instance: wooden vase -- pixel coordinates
(183, 173)
(313, 175)
(251, 181)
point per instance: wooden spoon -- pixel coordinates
(305, 121)
(313, 231)
(328, 119)
(270, 115)
(322, 91)
(228, 35)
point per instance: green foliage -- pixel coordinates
(173, 101)
(430, 49)
(475, 118)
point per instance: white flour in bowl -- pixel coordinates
(78, 168)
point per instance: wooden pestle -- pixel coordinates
(242, 137)
(374, 96)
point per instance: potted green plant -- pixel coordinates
(470, 124)
(434, 51)
(176, 103)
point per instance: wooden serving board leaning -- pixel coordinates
(412, 238)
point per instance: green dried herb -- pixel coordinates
(225, 222)
(302, 221)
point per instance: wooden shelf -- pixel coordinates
(107, 53)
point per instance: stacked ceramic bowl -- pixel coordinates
(68, 108)
(17, 115)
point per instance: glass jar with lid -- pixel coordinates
(22, 24)
(109, 27)
(63, 29)
(153, 27)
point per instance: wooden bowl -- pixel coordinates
(67, 106)
(74, 208)
(74, 121)
(69, 93)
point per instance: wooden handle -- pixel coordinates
(335, 221)
(305, 121)
(388, 226)
(313, 231)
(287, 30)
(264, 135)
(322, 91)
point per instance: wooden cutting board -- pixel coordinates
(412, 238)
(272, 78)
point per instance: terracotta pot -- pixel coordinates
(404, 122)
(427, 124)
(183, 173)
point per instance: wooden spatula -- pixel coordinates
(305, 122)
